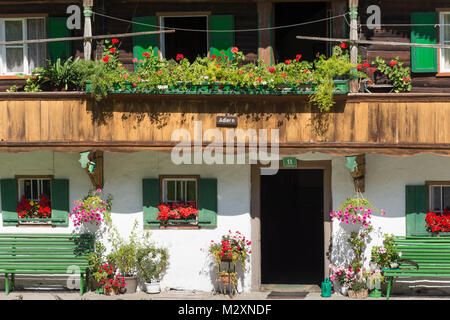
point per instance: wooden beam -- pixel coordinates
(265, 50)
(97, 176)
(104, 36)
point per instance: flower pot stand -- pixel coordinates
(226, 283)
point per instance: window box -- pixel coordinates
(342, 87)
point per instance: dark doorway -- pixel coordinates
(292, 227)
(190, 44)
(288, 13)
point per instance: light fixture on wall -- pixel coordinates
(86, 163)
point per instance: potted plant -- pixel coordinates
(32, 212)
(123, 258)
(341, 277)
(124, 253)
(358, 290)
(233, 247)
(92, 209)
(151, 263)
(173, 214)
(109, 282)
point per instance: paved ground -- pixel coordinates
(180, 295)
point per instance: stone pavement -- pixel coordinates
(181, 295)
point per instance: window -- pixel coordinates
(190, 44)
(33, 188)
(439, 198)
(444, 38)
(21, 58)
(179, 189)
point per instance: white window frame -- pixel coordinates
(176, 179)
(21, 181)
(442, 41)
(3, 68)
(162, 39)
(431, 197)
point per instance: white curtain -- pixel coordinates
(36, 52)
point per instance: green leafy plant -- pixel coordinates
(57, 75)
(384, 255)
(394, 70)
(151, 262)
(357, 286)
(124, 252)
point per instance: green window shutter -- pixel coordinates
(150, 202)
(207, 202)
(416, 210)
(60, 202)
(221, 41)
(9, 201)
(424, 59)
(56, 28)
(142, 43)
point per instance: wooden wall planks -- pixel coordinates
(148, 122)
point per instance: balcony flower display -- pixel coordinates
(92, 209)
(215, 74)
(34, 209)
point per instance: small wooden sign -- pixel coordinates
(226, 121)
(290, 162)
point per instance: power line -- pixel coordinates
(235, 30)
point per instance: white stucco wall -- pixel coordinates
(190, 268)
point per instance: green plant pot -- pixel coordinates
(342, 86)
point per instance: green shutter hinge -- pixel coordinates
(353, 12)
(87, 11)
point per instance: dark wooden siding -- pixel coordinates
(398, 12)
(245, 18)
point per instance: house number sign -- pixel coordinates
(290, 162)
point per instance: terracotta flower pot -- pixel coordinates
(225, 278)
(131, 284)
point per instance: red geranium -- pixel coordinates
(34, 209)
(271, 69)
(179, 57)
(438, 222)
(343, 45)
(287, 61)
(146, 54)
(112, 50)
(177, 211)
(393, 63)
(114, 41)
(106, 58)
(234, 50)
(298, 57)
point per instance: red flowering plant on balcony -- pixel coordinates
(438, 222)
(233, 246)
(34, 209)
(183, 211)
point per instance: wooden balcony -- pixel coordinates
(397, 124)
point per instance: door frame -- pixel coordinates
(255, 213)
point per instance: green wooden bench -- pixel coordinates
(45, 254)
(421, 257)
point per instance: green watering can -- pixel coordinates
(326, 288)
